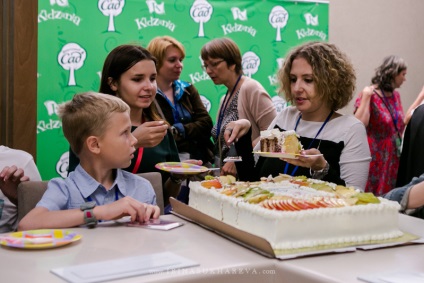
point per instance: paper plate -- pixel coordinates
(283, 154)
(181, 168)
(39, 239)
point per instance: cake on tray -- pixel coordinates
(293, 213)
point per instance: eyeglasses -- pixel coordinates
(212, 65)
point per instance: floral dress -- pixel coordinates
(382, 135)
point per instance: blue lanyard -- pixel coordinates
(222, 110)
(386, 103)
(286, 168)
(116, 197)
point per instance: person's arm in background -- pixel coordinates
(410, 196)
(256, 105)
(240, 133)
(363, 111)
(415, 104)
(10, 178)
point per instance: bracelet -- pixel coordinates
(175, 180)
(319, 174)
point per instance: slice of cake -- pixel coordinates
(276, 141)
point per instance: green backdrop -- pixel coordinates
(75, 36)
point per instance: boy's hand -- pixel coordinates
(10, 178)
(127, 206)
(150, 134)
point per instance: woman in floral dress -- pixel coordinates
(379, 107)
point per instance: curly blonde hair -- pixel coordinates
(332, 71)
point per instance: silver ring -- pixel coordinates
(229, 129)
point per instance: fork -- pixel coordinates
(232, 155)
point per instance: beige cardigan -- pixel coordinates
(255, 105)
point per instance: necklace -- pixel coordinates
(224, 107)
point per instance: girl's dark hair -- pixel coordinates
(120, 60)
(385, 74)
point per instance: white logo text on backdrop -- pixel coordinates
(311, 20)
(155, 8)
(71, 58)
(206, 102)
(278, 19)
(62, 165)
(239, 14)
(111, 8)
(201, 12)
(62, 3)
(250, 63)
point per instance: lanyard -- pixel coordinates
(139, 155)
(116, 197)
(138, 161)
(286, 168)
(394, 119)
(222, 110)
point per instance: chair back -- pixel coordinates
(155, 178)
(29, 194)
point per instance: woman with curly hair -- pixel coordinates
(379, 107)
(318, 79)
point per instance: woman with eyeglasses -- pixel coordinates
(180, 102)
(245, 98)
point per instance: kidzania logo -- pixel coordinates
(51, 15)
(155, 8)
(310, 19)
(71, 57)
(238, 15)
(302, 33)
(62, 3)
(51, 124)
(250, 63)
(230, 28)
(201, 12)
(278, 19)
(310, 32)
(198, 77)
(111, 9)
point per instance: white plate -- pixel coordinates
(233, 159)
(283, 155)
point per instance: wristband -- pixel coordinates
(89, 218)
(319, 174)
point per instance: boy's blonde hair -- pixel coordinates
(87, 114)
